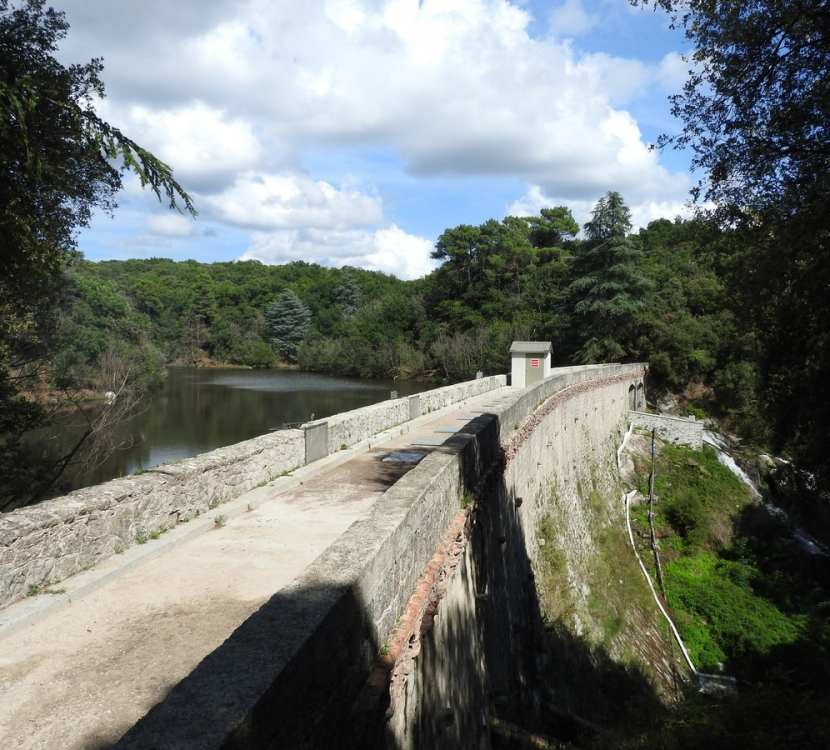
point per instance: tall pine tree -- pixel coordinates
(609, 287)
(288, 319)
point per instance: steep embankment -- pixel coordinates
(749, 599)
(576, 648)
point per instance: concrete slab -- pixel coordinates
(407, 458)
(428, 441)
(316, 442)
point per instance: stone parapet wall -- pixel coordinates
(451, 394)
(674, 429)
(562, 378)
(352, 427)
(292, 670)
(45, 543)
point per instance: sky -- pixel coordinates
(354, 132)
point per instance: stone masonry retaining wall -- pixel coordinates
(44, 544)
(296, 674)
(292, 670)
(561, 470)
(479, 648)
(685, 431)
(353, 426)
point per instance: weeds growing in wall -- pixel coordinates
(595, 584)
(602, 624)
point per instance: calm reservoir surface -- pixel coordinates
(199, 410)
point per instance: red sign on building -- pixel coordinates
(534, 362)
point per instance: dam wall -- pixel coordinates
(683, 431)
(484, 652)
(43, 544)
(423, 617)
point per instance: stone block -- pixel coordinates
(316, 441)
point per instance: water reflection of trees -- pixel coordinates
(193, 412)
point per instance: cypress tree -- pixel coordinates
(288, 318)
(609, 287)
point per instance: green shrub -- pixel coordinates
(696, 412)
(718, 612)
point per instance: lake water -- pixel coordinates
(199, 410)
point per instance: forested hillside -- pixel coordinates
(665, 295)
(657, 295)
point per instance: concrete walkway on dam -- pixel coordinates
(80, 666)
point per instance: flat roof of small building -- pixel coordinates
(530, 347)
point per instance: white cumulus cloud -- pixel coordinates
(235, 95)
(390, 250)
(292, 200)
(171, 225)
(571, 19)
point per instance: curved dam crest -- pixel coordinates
(425, 619)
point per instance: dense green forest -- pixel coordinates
(658, 295)
(661, 295)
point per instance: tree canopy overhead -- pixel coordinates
(756, 106)
(58, 160)
(756, 114)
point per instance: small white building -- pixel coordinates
(529, 362)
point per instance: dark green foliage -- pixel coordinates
(756, 115)
(487, 268)
(609, 287)
(98, 344)
(745, 595)
(756, 107)
(552, 229)
(60, 162)
(347, 295)
(461, 355)
(227, 315)
(698, 495)
(18, 416)
(288, 318)
(769, 716)
(686, 329)
(719, 614)
(790, 309)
